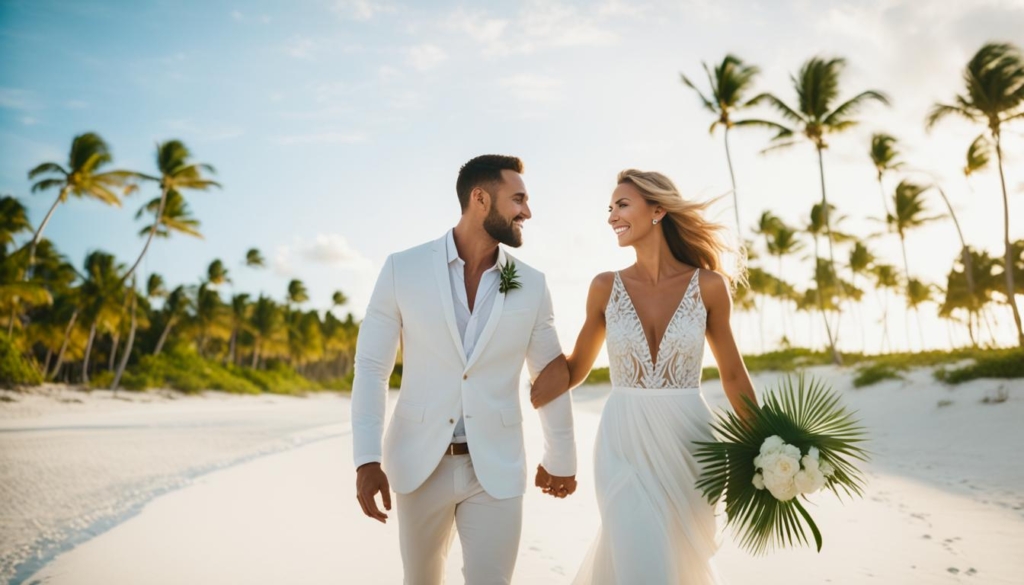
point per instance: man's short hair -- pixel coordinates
(484, 170)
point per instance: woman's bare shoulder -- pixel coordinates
(714, 287)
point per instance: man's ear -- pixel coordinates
(481, 198)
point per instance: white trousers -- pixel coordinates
(489, 529)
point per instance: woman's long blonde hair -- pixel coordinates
(692, 239)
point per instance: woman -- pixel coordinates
(656, 527)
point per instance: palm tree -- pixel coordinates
(209, 316)
(254, 259)
(730, 81)
(175, 309)
(886, 277)
(297, 293)
(884, 155)
(177, 172)
(861, 260)
(81, 178)
(155, 288)
(174, 217)
(102, 284)
(338, 299)
(783, 242)
(266, 323)
(13, 219)
(217, 273)
(994, 80)
(917, 294)
(909, 213)
(979, 154)
(817, 88)
(240, 309)
(959, 296)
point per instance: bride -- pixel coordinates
(656, 527)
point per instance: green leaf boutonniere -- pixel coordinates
(509, 278)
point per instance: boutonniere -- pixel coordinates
(509, 278)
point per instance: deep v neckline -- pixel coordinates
(647, 342)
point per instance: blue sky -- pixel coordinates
(337, 127)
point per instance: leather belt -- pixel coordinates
(457, 449)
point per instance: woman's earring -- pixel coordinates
(655, 221)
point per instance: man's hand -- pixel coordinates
(555, 485)
(370, 479)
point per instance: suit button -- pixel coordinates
(465, 376)
(451, 421)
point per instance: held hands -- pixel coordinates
(552, 382)
(553, 485)
(370, 479)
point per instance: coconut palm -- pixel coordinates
(979, 155)
(885, 157)
(13, 219)
(177, 173)
(731, 80)
(174, 216)
(254, 259)
(338, 299)
(155, 288)
(994, 84)
(886, 278)
(81, 178)
(918, 293)
(266, 324)
(861, 260)
(176, 308)
(767, 224)
(815, 117)
(909, 212)
(209, 316)
(240, 309)
(783, 242)
(217, 273)
(101, 287)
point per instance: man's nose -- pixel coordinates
(526, 211)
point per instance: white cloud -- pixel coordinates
(237, 16)
(427, 56)
(329, 249)
(301, 48)
(360, 9)
(323, 138)
(533, 88)
(17, 99)
(539, 25)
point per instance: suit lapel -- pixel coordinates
(492, 320)
(444, 286)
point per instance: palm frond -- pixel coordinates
(805, 413)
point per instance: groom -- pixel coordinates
(467, 315)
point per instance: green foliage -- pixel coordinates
(807, 414)
(599, 376)
(710, 373)
(277, 379)
(14, 369)
(874, 373)
(1001, 364)
(187, 372)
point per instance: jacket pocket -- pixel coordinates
(410, 411)
(511, 417)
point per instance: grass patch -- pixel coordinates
(997, 364)
(277, 379)
(874, 373)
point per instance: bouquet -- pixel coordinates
(800, 441)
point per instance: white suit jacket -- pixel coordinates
(412, 303)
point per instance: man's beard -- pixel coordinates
(501, 229)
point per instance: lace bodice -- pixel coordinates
(682, 346)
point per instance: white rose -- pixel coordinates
(791, 451)
(771, 444)
(826, 469)
(813, 453)
(783, 491)
(758, 481)
(785, 466)
(808, 482)
(809, 463)
(757, 462)
(767, 461)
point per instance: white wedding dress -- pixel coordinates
(657, 529)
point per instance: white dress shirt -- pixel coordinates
(470, 323)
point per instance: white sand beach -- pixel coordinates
(226, 489)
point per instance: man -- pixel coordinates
(468, 315)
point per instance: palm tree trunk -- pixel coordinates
(152, 232)
(88, 351)
(64, 344)
(113, 349)
(970, 328)
(39, 232)
(836, 359)
(785, 325)
(46, 361)
(906, 275)
(1008, 257)
(735, 197)
(255, 353)
(885, 200)
(965, 253)
(163, 336)
(128, 344)
(231, 347)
